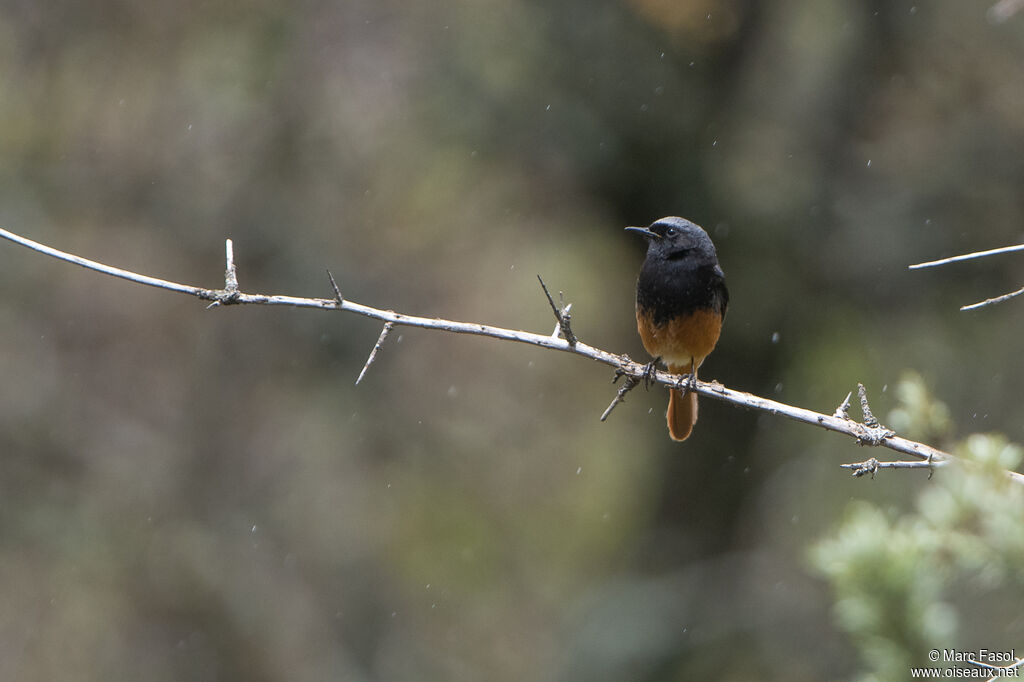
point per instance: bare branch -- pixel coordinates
(871, 465)
(865, 435)
(206, 294)
(967, 256)
(992, 301)
(981, 254)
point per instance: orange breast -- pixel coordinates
(677, 341)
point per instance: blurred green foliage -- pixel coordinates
(908, 583)
(191, 494)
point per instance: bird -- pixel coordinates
(681, 300)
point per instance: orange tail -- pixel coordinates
(682, 414)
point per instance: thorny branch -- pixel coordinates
(635, 372)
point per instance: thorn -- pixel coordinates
(376, 348)
(338, 298)
(842, 411)
(561, 314)
(869, 418)
(871, 431)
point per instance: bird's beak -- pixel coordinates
(645, 231)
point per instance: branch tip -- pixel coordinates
(230, 271)
(966, 256)
(993, 301)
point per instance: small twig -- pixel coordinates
(993, 301)
(967, 256)
(620, 395)
(871, 465)
(376, 348)
(230, 271)
(337, 292)
(561, 314)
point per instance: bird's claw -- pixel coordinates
(650, 369)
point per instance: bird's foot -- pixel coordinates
(650, 369)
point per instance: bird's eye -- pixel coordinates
(670, 232)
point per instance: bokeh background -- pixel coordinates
(204, 495)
